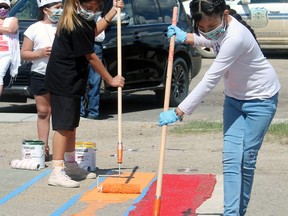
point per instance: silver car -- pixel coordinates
(269, 20)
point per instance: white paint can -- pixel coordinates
(85, 155)
(34, 150)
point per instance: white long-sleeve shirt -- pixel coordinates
(240, 62)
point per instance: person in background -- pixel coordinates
(66, 79)
(37, 43)
(9, 43)
(251, 89)
(91, 101)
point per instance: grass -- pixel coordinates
(276, 131)
(198, 127)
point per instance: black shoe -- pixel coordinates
(92, 117)
(83, 116)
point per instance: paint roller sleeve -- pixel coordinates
(120, 188)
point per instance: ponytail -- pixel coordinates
(238, 17)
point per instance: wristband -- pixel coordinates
(107, 21)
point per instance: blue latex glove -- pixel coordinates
(168, 117)
(181, 36)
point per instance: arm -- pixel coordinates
(231, 49)
(12, 28)
(101, 36)
(98, 66)
(102, 24)
(190, 39)
(27, 52)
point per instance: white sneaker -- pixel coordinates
(59, 178)
(73, 170)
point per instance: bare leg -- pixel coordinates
(71, 141)
(60, 140)
(43, 120)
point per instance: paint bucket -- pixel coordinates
(85, 155)
(34, 150)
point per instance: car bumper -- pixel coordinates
(15, 94)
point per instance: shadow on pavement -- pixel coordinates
(108, 105)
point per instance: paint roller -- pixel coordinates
(27, 164)
(124, 188)
(120, 188)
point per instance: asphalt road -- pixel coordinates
(200, 153)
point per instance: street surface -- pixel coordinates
(189, 154)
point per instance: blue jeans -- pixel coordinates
(91, 101)
(245, 124)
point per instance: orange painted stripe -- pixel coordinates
(96, 200)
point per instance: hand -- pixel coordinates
(181, 36)
(118, 4)
(44, 52)
(168, 117)
(117, 81)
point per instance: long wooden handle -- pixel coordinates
(157, 203)
(119, 63)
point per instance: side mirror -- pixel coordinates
(245, 2)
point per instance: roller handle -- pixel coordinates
(120, 153)
(157, 203)
(119, 62)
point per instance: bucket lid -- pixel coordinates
(33, 142)
(85, 144)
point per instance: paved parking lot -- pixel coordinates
(25, 192)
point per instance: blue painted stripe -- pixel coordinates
(24, 187)
(74, 199)
(139, 198)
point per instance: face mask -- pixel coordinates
(55, 15)
(3, 12)
(87, 15)
(215, 34)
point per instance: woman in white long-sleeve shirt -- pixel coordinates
(251, 94)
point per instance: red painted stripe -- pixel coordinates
(181, 195)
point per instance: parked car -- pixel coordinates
(268, 18)
(144, 49)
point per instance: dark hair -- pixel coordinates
(201, 8)
(41, 12)
(237, 16)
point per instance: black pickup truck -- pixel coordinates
(145, 49)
